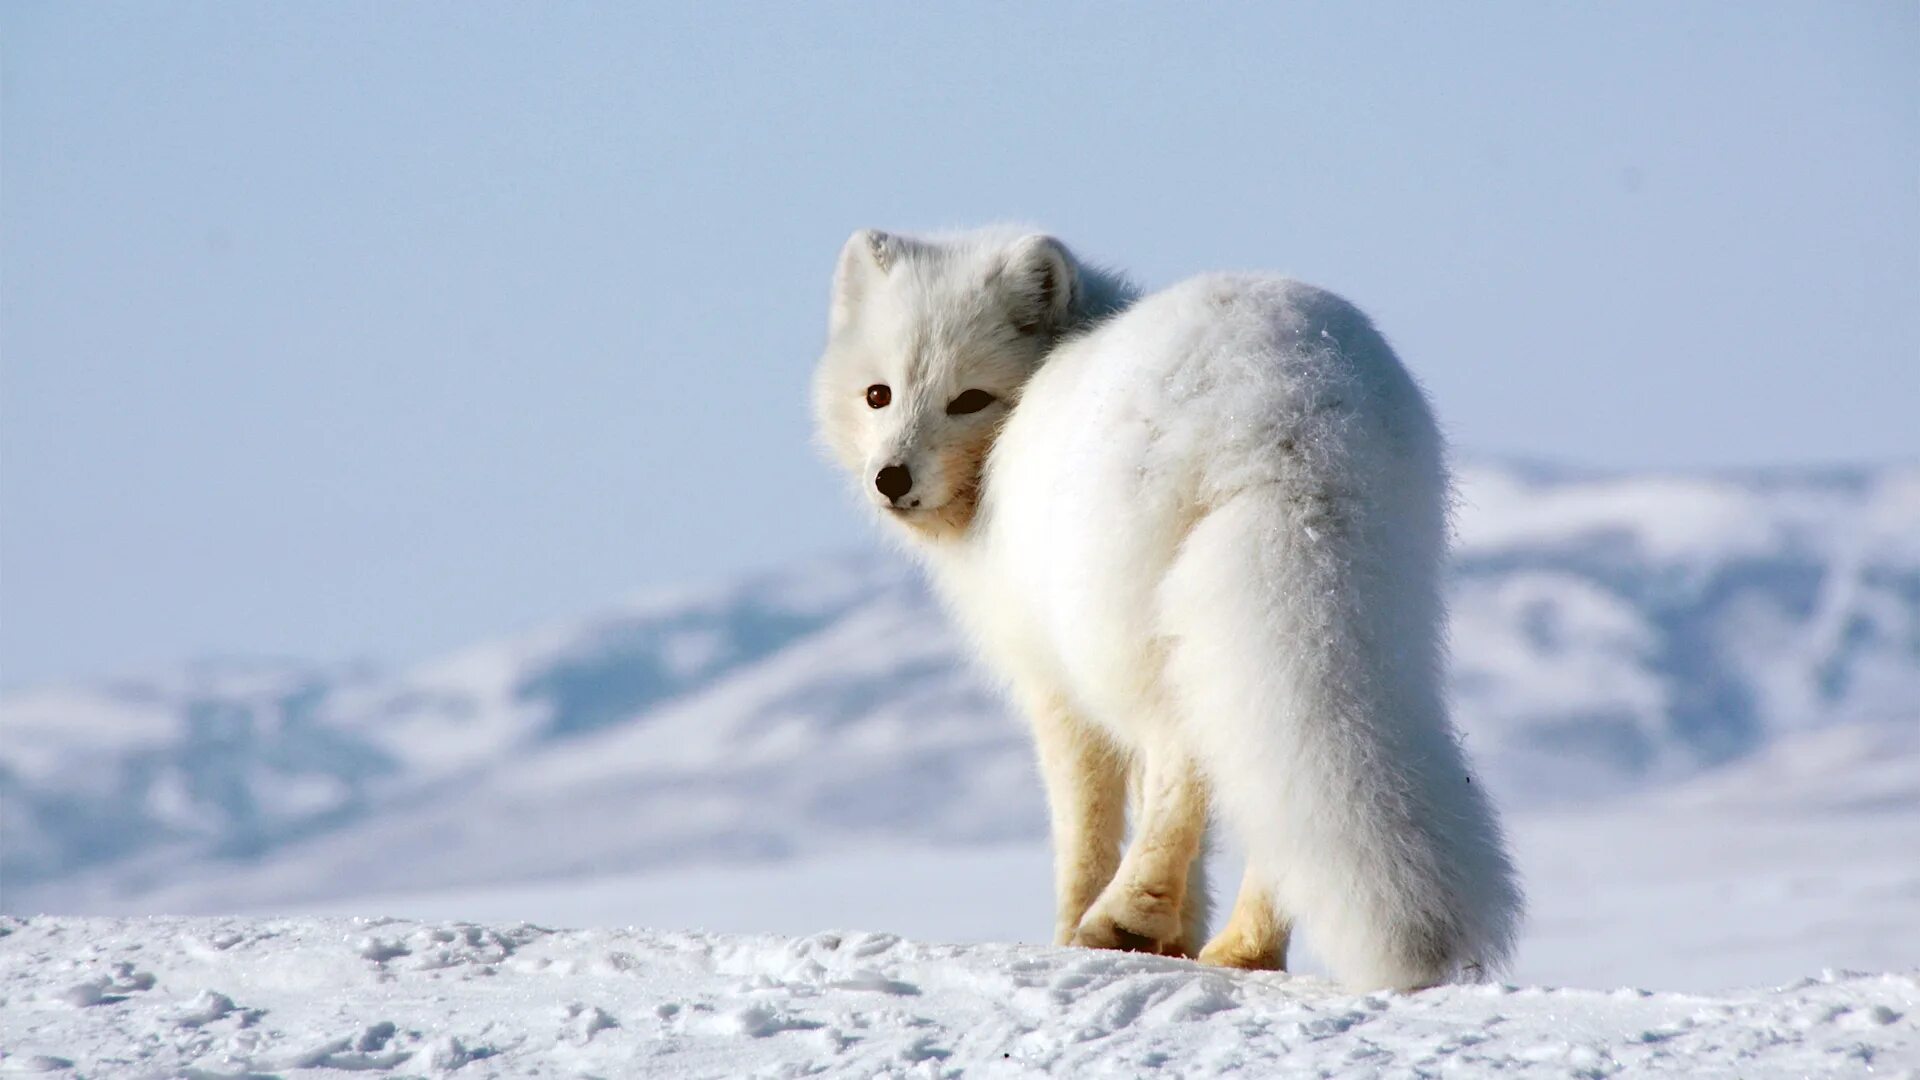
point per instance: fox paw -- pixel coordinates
(1237, 952)
(1135, 931)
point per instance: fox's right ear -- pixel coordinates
(1040, 284)
(868, 256)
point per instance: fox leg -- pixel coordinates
(1086, 782)
(1197, 907)
(1255, 937)
(1145, 907)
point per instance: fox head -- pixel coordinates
(929, 344)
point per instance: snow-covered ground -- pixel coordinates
(1799, 862)
(321, 997)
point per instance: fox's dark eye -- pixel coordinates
(878, 395)
(971, 401)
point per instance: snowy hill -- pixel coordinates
(230, 997)
(1612, 634)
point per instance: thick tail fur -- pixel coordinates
(1307, 648)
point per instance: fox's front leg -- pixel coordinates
(1086, 795)
(1145, 908)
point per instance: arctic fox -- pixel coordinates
(1199, 534)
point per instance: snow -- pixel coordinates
(322, 997)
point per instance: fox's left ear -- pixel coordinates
(1040, 283)
(868, 256)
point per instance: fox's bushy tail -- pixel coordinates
(1308, 648)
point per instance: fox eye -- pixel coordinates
(972, 401)
(878, 395)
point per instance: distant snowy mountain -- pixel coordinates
(1612, 630)
(1611, 633)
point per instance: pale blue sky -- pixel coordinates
(340, 330)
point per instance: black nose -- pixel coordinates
(893, 482)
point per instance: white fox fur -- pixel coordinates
(1200, 535)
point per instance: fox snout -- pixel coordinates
(893, 481)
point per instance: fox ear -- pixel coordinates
(1039, 281)
(866, 258)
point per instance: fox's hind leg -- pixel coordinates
(1145, 907)
(1086, 780)
(1255, 937)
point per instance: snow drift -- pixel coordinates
(229, 997)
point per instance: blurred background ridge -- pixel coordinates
(1613, 635)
